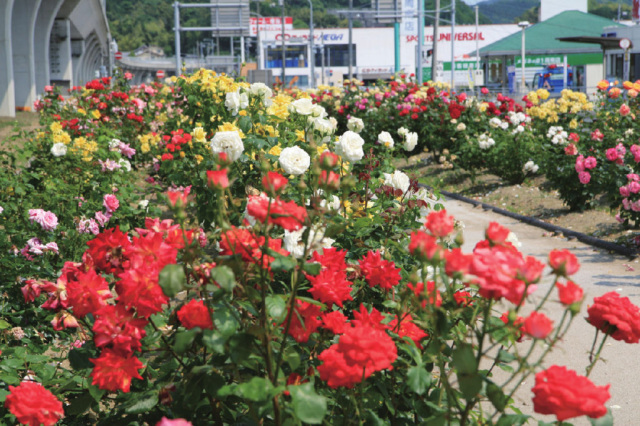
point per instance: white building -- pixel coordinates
(373, 51)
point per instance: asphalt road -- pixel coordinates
(599, 273)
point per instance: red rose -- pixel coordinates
(378, 271)
(112, 371)
(425, 247)
(565, 394)
(517, 324)
(496, 233)
(563, 262)
(195, 314)
(569, 293)
(329, 180)
(616, 316)
(360, 352)
(538, 325)
(439, 223)
(328, 160)
(274, 182)
(33, 405)
(218, 179)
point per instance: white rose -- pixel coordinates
(324, 126)
(302, 106)
(402, 131)
(530, 166)
(114, 143)
(461, 127)
(232, 102)
(355, 124)
(235, 101)
(143, 204)
(263, 91)
(495, 122)
(397, 180)
(410, 141)
(124, 164)
(349, 146)
(318, 111)
(294, 244)
(504, 125)
(59, 149)
(294, 160)
(385, 139)
(228, 142)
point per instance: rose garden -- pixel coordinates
(206, 251)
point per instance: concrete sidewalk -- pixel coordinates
(599, 273)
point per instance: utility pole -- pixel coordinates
(477, 55)
(420, 41)
(311, 47)
(283, 47)
(436, 36)
(350, 39)
(453, 43)
(176, 28)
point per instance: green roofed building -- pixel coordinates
(503, 59)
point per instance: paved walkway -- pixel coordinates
(599, 273)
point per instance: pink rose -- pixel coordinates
(111, 203)
(636, 206)
(626, 203)
(584, 177)
(624, 110)
(580, 163)
(48, 89)
(634, 177)
(49, 221)
(590, 163)
(36, 215)
(484, 91)
(612, 154)
(624, 191)
(128, 76)
(634, 187)
(570, 149)
(175, 422)
(102, 218)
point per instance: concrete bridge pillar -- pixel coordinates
(7, 88)
(44, 23)
(24, 68)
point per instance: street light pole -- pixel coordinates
(312, 59)
(283, 47)
(523, 25)
(350, 39)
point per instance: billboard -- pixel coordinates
(269, 23)
(230, 17)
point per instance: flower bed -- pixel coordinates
(275, 267)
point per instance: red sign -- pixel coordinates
(269, 23)
(118, 56)
(160, 74)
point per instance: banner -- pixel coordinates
(269, 23)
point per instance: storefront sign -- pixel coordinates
(269, 23)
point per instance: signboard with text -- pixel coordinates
(269, 23)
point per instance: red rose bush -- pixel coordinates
(293, 275)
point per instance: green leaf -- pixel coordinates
(470, 385)
(96, 393)
(308, 406)
(184, 340)
(172, 279)
(512, 419)
(79, 358)
(496, 396)
(214, 341)
(311, 268)
(257, 389)
(418, 379)
(4, 325)
(283, 263)
(276, 308)
(79, 405)
(606, 420)
(464, 360)
(225, 278)
(240, 346)
(143, 405)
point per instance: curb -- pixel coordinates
(568, 233)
